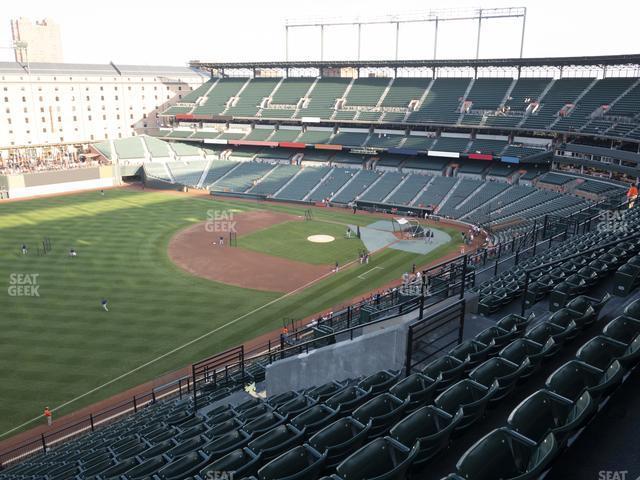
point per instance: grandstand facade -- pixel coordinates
(53, 103)
(470, 140)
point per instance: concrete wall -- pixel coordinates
(60, 181)
(61, 188)
(60, 176)
(380, 347)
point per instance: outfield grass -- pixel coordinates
(61, 344)
(289, 240)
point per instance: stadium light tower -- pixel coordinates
(432, 16)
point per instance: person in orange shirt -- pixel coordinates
(48, 415)
(632, 195)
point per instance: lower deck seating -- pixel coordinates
(436, 191)
(276, 179)
(242, 177)
(387, 183)
(303, 183)
(157, 170)
(410, 188)
(217, 170)
(332, 183)
(359, 183)
(188, 173)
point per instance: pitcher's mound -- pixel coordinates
(320, 238)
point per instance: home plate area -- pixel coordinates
(383, 233)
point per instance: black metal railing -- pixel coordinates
(89, 423)
(436, 332)
(221, 368)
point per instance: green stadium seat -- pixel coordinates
(315, 419)
(431, 427)
(515, 321)
(281, 398)
(157, 449)
(566, 315)
(276, 441)
(95, 458)
(448, 368)
(123, 445)
(627, 277)
(348, 399)
(296, 406)
(569, 320)
(300, 463)
(497, 336)
(146, 468)
(132, 452)
(575, 377)
(224, 427)
(160, 434)
(323, 392)
(500, 370)
(543, 412)
(582, 303)
(96, 468)
(382, 411)
(380, 382)
(187, 446)
(226, 443)
(239, 463)
(181, 467)
(191, 432)
(119, 468)
(253, 412)
(601, 351)
(622, 329)
(216, 418)
(472, 353)
(633, 310)
(501, 454)
(571, 287)
(264, 422)
(544, 352)
(178, 418)
(417, 389)
(382, 459)
(64, 470)
(544, 331)
(469, 396)
(339, 440)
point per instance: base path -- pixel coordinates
(193, 250)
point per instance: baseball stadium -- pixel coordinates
(321, 269)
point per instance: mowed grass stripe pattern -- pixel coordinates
(61, 344)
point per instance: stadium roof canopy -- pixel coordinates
(602, 60)
(94, 69)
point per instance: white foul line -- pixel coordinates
(171, 352)
(361, 276)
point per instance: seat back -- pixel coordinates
(300, 463)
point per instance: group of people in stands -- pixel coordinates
(42, 163)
